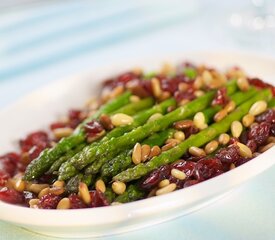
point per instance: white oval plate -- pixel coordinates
(41, 107)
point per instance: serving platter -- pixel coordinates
(39, 108)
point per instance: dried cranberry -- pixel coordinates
(272, 129)
(74, 118)
(3, 178)
(244, 137)
(98, 199)
(241, 161)
(39, 139)
(267, 116)
(76, 202)
(178, 182)
(208, 168)
(93, 128)
(57, 125)
(11, 196)
(49, 201)
(190, 130)
(155, 177)
(185, 166)
(28, 196)
(229, 154)
(171, 85)
(8, 163)
(190, 182)
(188, 95)
(259, 132)
(233, 140)
(126, 77)
(261, 84)
(220, 97)
(252, 145)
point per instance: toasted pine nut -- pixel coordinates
(244, 150)
(136, 155)
(173, 141)
(57, 190)
(19, 185)
(243, 84)
(43, 192)
(199, 93)
(271, 139)
(152, 193)
(220, 115)
(169, 188)
(178, 174)
(156, 88)
(167, 68)
(198, 83)
(258, 108)
(163, 183)
(116, 92)
(199, 121)
(183, 102)
(207, 77)
(145, 152)
(154, 117)
(198, 152)
(62, 132)
(224, 138)
(211, 146)
(155, 151)
(183, 124)
(64, 203)
(164, 95)
(232, 166)
(100, 186)
(106, 121)
(179, 135)
(266, 147)
(236, 129)
(84, 193)
(119, 187)
(168, 146)
(134, 99)
(248, 119)
(36, 188)
(33, 203)
(183, 87)
(229, 107)
(58, 183)
(121, 119)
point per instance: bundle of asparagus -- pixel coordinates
(152, 134)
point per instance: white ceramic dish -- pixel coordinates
(42, 107)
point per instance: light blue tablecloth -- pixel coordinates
(44, 41)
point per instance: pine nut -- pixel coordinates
(134, 99)
(207, 77)
(165, 95)
(232, 166)
(84, 193)
(116, 92)
(154, 117)
(36, 188)
(155, 151)
(243, 84)
(224, 138)
(170, 109)
(211, 146)
(168, 146)
(255, 154)
(121, 119)
(57, 190)
(33, 203)
(179, 135)
(106, 122)
(62, 132)
(244, 150)
(43, 192)
(248, 119)
(198, 83)
(271, 139)
(173, 141)
(220, 115)
(258, 108)
(163, 183)
(229, 107)
(156, 88)
(169, 188)
(199, 93)
(167, 68)
(119, 187)
(266, 147)
(19, 185)
(197, 152)
(145, 152)
(183, 102)
(100, 186)
(199, 121)
(183, 124)
(183, 87)
(178, 174)
(64, 203)
(136, 155)
(236, 129)
(58, 183)
(152, 193)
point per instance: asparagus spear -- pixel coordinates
(209, 113)
(197, 140)
(73, 183)
(131, 194)
(70, 168)
(41, 164)
(122, 161)
(271, 103)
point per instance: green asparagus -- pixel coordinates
(131, 194)
(197, 140)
